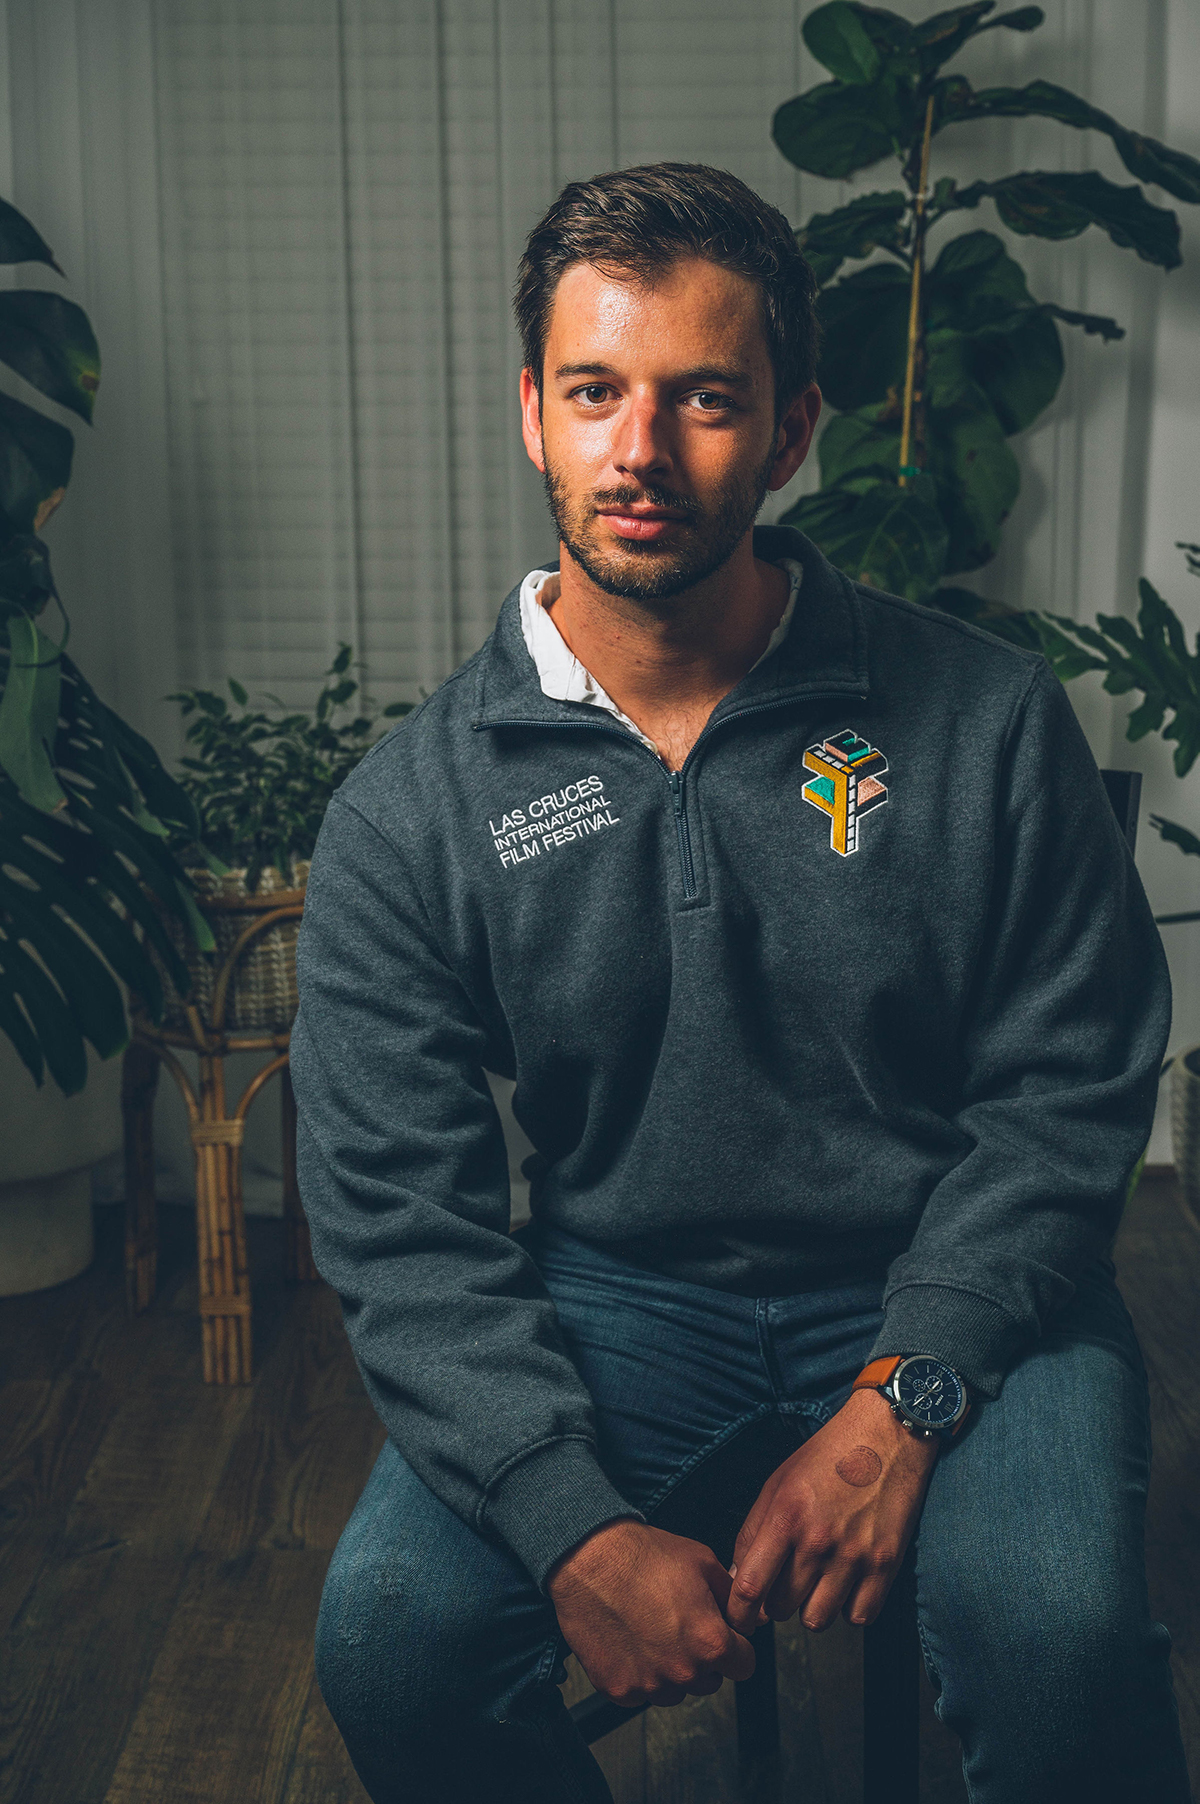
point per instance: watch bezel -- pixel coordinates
(928, 1430)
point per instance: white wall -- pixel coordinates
(295, 224)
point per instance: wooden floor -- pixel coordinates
(163, 1544)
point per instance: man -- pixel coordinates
(835, 1009)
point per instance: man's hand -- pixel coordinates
(642, 1611)
(830, 1526)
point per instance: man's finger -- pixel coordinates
(827, 1597)
(755, 1516)
(756, 1572)
(737, 1661)
(867, 1599)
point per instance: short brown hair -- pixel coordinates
(644, 220)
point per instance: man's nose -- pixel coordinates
(642, 441)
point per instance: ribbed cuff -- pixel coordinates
(548, 1503)
(969, 1332)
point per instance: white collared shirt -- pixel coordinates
(565, 679)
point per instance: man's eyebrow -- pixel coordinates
(708, 372)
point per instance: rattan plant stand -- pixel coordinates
(216, 1132)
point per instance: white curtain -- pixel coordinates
(295, 224)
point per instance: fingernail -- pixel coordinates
(733, 1572)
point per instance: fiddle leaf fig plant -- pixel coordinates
(934, 362)
(86, 807)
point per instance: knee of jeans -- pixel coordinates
(401, 1642)
(1055, 1656)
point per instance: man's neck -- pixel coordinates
(667, 673)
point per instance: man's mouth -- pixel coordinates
(644, 523)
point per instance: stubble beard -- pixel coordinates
(649, 572)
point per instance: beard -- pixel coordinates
(704, 539)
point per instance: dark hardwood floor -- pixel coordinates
(163, 1544)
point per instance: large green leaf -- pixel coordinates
(836, 128)
(971, 472)
(26, 584)
(20, 242)
(1050, 205)
(1151, 656)
(35, 462)
(973, 283)
(59, 1039)
(891, 538)
(1177, 835)
(29, 713)
(938, 38)
(864, 326)
(837, 37)
(1144, 157)
(872, 222)
(50, 342)
(87, 985)
(977, 481)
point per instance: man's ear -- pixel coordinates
(531, 420)
(795, 436)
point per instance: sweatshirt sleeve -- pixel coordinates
(1060, 1050)
(404, 1180)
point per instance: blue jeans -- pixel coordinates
(440, 1660)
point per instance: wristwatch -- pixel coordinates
(926, 1395)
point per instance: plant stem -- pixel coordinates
(915, 336)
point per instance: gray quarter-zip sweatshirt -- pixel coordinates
(869, 987)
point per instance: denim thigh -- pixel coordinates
(1031, 1581)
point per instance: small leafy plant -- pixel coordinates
(260, 783)
(933, 370)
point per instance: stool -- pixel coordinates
(710, 1506)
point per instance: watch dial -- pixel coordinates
(929, 1391)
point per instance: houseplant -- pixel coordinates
(1150, 656)
(259, 784)
(86, 807)
(933, 369)
(86, 874)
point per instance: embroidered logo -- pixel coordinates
(544, 823)
(846, 785)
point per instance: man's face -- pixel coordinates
(655, 429)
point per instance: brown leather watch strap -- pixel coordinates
(880, 1371)
(877, 1373)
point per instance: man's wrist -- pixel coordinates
(928, 1398)
(600, 1546)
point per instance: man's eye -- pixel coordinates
(709, 401)
(595, 392)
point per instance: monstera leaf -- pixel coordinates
(86, 875)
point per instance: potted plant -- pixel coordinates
(934, 362)
(1151, 656)
(259, 784)
(87, 877)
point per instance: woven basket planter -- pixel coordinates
(262, 997)
(1185, 1126)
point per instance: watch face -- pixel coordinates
(929, 1392)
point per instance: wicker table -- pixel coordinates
(216, 1133)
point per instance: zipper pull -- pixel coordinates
(676, 791)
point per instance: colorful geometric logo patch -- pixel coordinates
(846, 785)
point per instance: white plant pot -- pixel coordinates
(1185, 1126)
(48, 1145)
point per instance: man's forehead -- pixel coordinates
(693, 306)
